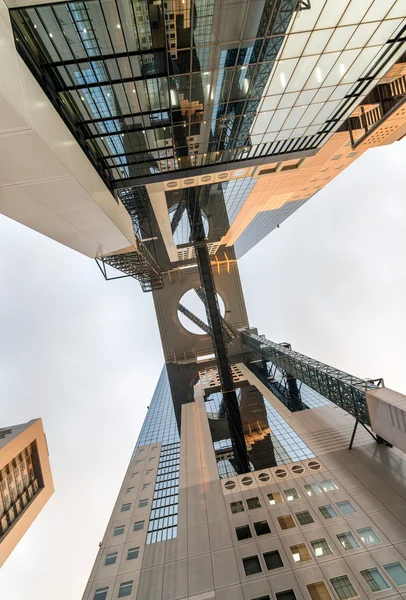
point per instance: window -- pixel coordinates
(312, 489)
(397, 571)
(273, 560)
(343, 587)
(111, 558)
(304, 517)
(321, 547)
(345, 507)
(253, 503)
(129, 489)
(262, 527)
(368, 536)
(151, 459)
(318, 591)
(336, 157)
(286, 595)
(291, 494)
(145, 485)
(125, 589)
(141, 450)
(328, 485)
(374, 579)
(300, 553)
(137, 462)
(286, 522)
(134, 474)
(126, 507)
(328, 511)
(148, 471)
(237, 507)
(143, 503)
(138, 525)
(101, 594)
(251, 565)
(243, 532)
(274, 498)
(133, 553)
(348, 541)
(119, 530)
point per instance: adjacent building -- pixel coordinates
(25, 481)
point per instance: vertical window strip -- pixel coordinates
(163, 522)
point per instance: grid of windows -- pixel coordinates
(164, 514)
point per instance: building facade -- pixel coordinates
(25, 481)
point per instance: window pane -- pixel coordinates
(368, 536)
(348, 541)
(318, 591)
(243, 532)
(253, 503)
(321, 547)
(304, 517)
(142, 503)
(312, 489)
(286, 595)
(237, 507)
(286, 522)
(328, 511)
(111, 558)
(125, 589)
(397, 571)
(262, 527)
(343, 587)
(251, 565)
(328, 485)
(126, 507)
(345, 507)
(274, 498)
(374, 580)
(300, 553)
(101, 594)
(138, 525)
(133, 553)
(273, 560)
(291, 494)
(118, 530)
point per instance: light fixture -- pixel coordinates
(50, 35)
(118, 26)
(283, 80)
(108, 94)
(82, 98)
(296, 557)
(85, 31)
(133, 91)
(35, 26)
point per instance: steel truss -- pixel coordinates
(281, 384)
(217, 333)
(339, 387)
(229, 333)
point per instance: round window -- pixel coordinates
(230, 485)
(264, 477)
(246, 480)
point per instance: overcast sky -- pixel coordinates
(85, 354)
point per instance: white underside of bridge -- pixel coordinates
(46, 181)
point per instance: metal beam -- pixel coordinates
(214, 319)
(227, 329)
(339, 387)
(188, 313)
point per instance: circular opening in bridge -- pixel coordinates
(191, 301)
(181, 235)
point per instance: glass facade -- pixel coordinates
(163, 87)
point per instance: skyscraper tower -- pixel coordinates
(190, 131)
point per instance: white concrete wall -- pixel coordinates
(46, 181)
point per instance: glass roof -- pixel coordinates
(149, 87)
